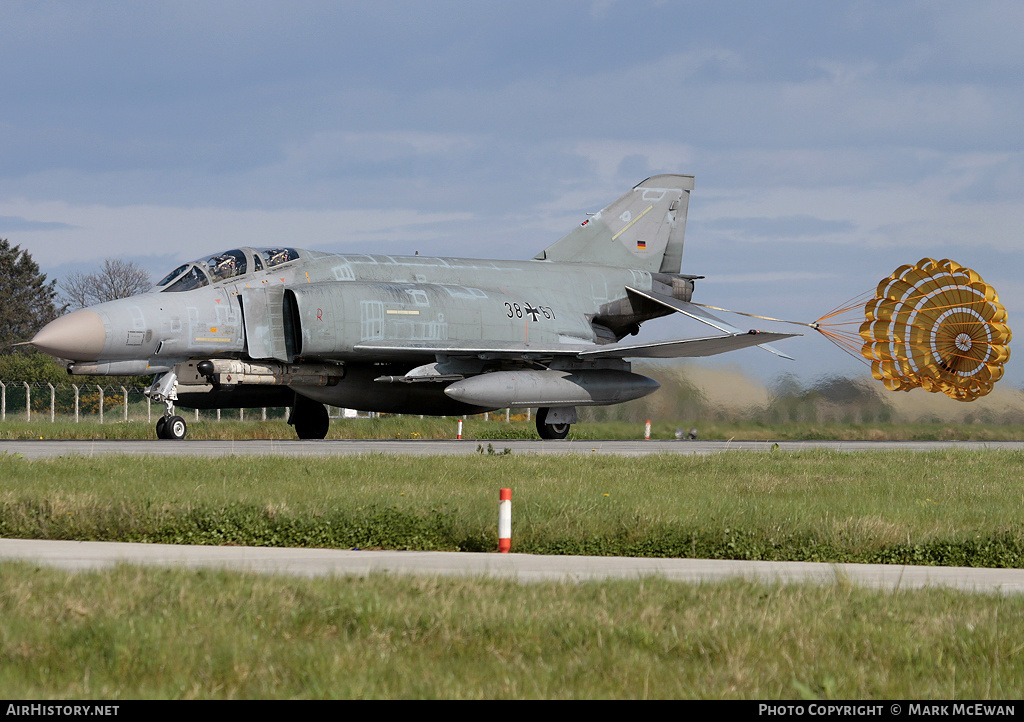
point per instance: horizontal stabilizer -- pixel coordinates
(699, 314)
(685, 347)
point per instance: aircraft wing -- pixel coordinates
(686, 347)
(676, 348)
(699, 314)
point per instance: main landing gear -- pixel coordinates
(309, 418)
(558, 429)
(164, 390)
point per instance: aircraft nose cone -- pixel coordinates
(78, 336)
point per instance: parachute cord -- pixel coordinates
(754, 315)
(849, 342)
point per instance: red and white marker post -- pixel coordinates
(459, 434)
(647, 430)
(505, 521)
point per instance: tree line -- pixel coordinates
(28, 301)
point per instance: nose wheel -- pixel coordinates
(171, 427)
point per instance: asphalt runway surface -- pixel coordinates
(36, 449)
(520, 567)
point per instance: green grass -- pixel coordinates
(149, 633)
(946, 507)
(413, 427)
(143, 633)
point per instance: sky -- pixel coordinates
(831, 142)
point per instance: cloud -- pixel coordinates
(929, 212)
(9, 224)
(89, 232)
(771, 277)
(780, 228)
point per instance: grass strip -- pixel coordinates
(171, 634)
(957, 508)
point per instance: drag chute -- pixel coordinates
(935, 325)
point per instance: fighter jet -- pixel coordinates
(283, 326)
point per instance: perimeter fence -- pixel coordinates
(38, 401)
(112, 403)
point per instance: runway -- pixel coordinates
(525, 568)
(37, 449)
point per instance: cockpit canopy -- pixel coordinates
(222, 266)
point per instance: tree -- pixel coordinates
(26, 299)
(117, 279)
(31, 366)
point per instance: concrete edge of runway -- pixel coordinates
(40, 448)
(85, 556)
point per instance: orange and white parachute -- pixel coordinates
(938, 326)
(935, 325)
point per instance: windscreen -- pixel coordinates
(192, 278)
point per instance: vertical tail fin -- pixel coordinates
(643, 229)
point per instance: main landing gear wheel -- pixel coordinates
(171, 427)
(550, 431)
(309, 418)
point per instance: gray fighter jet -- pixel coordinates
(283, 326)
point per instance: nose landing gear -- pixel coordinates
(165, 390)
(171, 427)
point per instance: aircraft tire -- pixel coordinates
(310, 418)
(161, 427)
(175, 428)
(550, 431)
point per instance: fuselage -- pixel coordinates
(339, 303)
